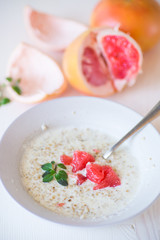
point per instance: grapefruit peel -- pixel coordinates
(51, 33)
(41, 77)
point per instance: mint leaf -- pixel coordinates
(63, 182)
(9, 79)
(17, 89)
(61, 178)
(52, 171)
(61, 174)
(48, 177)
(48, 172)
(53, 162)
(61, 165)
(4, 101)
(47, 166)
(45, 173)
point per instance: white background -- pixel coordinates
(15, 222)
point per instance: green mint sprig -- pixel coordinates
(15, 86)
(9, 79)
(3, 99)
(51, 171)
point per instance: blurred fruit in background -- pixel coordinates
(139, 18)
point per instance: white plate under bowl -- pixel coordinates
(96, 113)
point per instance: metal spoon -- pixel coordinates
(153, 113)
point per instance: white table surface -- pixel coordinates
(17, 223)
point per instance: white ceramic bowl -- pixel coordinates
(101, 114)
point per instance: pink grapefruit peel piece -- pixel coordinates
(51, 33)
(41, 77)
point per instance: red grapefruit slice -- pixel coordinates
(66, 160)
(80, 159)
(51, 33)
(95, 172)
(103, 176)
(81, 179)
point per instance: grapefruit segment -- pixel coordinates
(81, 179)
(51, 33)
(103, 176)
(41, 77)
(102, 61)
(66, 160)
(123, 56)
(80, 159)
(95, 173)
(93, 68)
(111, 179)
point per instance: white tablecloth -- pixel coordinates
(15, 222)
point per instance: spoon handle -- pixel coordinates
(153, 113)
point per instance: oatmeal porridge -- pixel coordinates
(78, 200)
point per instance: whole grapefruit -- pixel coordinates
(139, 18)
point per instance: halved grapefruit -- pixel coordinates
(51, 33)
(40, 76)
(102, 61)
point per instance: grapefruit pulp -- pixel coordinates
(66, 160)
(81, 179)
(103, 176)
(80, 159)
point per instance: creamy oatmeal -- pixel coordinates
(79, 201)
